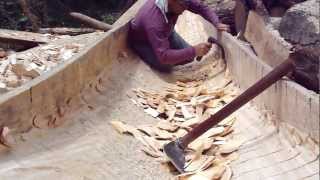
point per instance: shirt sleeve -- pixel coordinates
(160, 44)
(198, 7)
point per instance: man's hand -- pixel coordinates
(223, 27)
(202, 48)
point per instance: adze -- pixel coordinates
(175, 149)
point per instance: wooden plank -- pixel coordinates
(67, 31)
(25, 36)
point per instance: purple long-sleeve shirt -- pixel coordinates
(150, 26)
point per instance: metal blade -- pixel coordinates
(176, 155)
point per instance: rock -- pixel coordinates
(277, 11)
(307, 68)
(275, 21)
(300, 24)
(280, 3)
(225, 11)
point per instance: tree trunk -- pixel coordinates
(33, 19)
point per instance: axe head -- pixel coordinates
(175, 153)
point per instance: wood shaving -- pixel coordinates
(147, 129)
(165, 125)
(6, 138)
(152, 112)
(230, 146)
(227, 174)
(186, 113)
(179, 108)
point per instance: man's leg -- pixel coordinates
(146, 53)
(177, 42)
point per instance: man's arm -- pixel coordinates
(198, 7)
(161, 47)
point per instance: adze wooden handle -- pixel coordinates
(253, 91)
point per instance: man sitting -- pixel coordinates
(152, 36)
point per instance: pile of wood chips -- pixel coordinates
(180, 108)
(18, 68)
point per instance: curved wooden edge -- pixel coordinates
(43, 97)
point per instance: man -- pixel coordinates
(152, 36)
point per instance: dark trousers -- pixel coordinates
(147, 54)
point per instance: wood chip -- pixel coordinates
(2, 85)
(203, 98)
(213, 103)
(230, 146)
(228, 130)
(152, 153)
(124, 128)
(120, 126)
(152, 112)
(200, 90)
(186, 113)
(171, 111)
(13, 83)
(165, 125)
(227, 174)
(179, 119)
(6, 139)
(152, 102)
(204, 143)
(181, 132)
(219, 142)
(229, 121)
(199, 110)
(228, 158)
(228, 98)
(190, 92)
(190, 123)
(142, 101)
(196, 176)
(162, 107)
(152, 143)
(217, 93)
(147, 129)
(12, 58)
(162, 143)
(199, 164)
(215, 131)
(219, 138)
(215, 172)
(188, 84)
(21, 70)
(164, 135)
